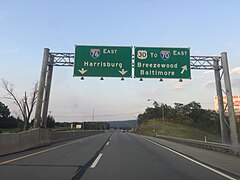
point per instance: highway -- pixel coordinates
(107, 156)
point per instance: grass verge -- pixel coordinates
(10, 130)
(177, 130)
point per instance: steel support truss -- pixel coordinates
(61, 59)
(197, 62)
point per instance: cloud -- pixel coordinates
(235, 70)
(154, 91)
(235, 82)
(207, 72)
(209, 84)
(196, 52)
(182, 85)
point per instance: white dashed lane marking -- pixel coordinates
(94, 164)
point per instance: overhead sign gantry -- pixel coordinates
(96, 61)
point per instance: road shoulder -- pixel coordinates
(227, 163)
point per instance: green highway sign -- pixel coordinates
(162, 62)
(103, 61)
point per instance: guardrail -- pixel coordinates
(224, 148)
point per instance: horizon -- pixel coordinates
(26, 30)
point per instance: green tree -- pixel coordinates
(149, 113)
(190, 114)
(4, 111)
(6, 121)
(193, 111)
(50, 122)
(25, 104)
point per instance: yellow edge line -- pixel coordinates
(36, 153)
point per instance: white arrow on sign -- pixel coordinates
(123, 72)
(184, 68)
(82, 71)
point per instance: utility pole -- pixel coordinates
(163, 114)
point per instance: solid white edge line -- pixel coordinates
(194, 161)
(94, 164)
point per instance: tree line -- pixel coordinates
(8, 121)
(85, 125)
(190, 114)
(24, 104)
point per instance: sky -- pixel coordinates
(208, 27)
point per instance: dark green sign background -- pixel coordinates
(103, 61)
(162, 63)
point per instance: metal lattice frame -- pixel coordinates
(62, 59)
(196, 62)
(205, 62)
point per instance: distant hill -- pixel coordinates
(123, 124)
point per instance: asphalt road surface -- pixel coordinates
(107, 156)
